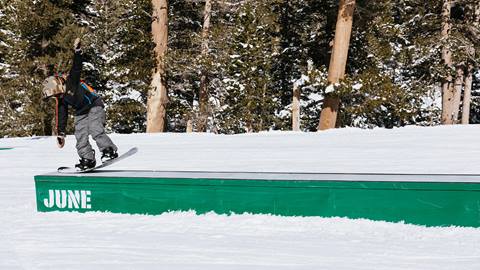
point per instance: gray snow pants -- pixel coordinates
(92, 123)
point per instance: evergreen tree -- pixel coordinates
(3, 40)
(388, 70)
(183, 64)
(249, 102)
(305, 29)
(258, 51)
(475, 106)
(7, 109)
(120, 60)
(44, 32)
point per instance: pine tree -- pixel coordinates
(259, 52)
(3, 39)
(44, 32)
(305, 29)
(120, 60)
(475, 104)
(248, 102)
(7, 108)
(389, 74)
(184, 65)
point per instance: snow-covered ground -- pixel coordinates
(31, 240)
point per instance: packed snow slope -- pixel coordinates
(31, 240)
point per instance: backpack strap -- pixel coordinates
(88, 88)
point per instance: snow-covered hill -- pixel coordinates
(31, 240)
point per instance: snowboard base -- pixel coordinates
(70, 170)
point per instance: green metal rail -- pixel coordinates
(422, 202)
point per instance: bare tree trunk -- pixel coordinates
(189, 126)
(296, 108)
(203, 94)
(48, 128)
(157, 96)
(457, 94)
(447, 87)
(467, 95)
(338, 62)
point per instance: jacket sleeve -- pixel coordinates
(73, 80)
(61, 116)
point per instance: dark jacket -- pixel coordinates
(80, 98)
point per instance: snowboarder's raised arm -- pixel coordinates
(73, 80)
(76, 67)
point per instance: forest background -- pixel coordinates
(243, 74)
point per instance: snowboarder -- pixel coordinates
(89, 112)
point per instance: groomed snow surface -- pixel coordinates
(31, 240)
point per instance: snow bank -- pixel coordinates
(31, 240)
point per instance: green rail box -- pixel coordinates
(431, 200)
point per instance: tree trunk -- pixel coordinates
(189, 126)
(296, 108)
(49, 129)
(157, 96)
(338, 62)
(467, 95)
(447, 87)
(457, 94)
(203, 94)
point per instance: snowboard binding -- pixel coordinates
(85, 164)
(108, 154)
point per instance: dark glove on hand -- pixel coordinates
(77, 45)
(61, 140)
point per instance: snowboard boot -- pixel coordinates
(108, 154)
(86, 164)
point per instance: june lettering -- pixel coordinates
(70, 199)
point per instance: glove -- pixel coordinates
(77, 45)
(61, 141)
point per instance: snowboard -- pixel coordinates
(129, 153)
